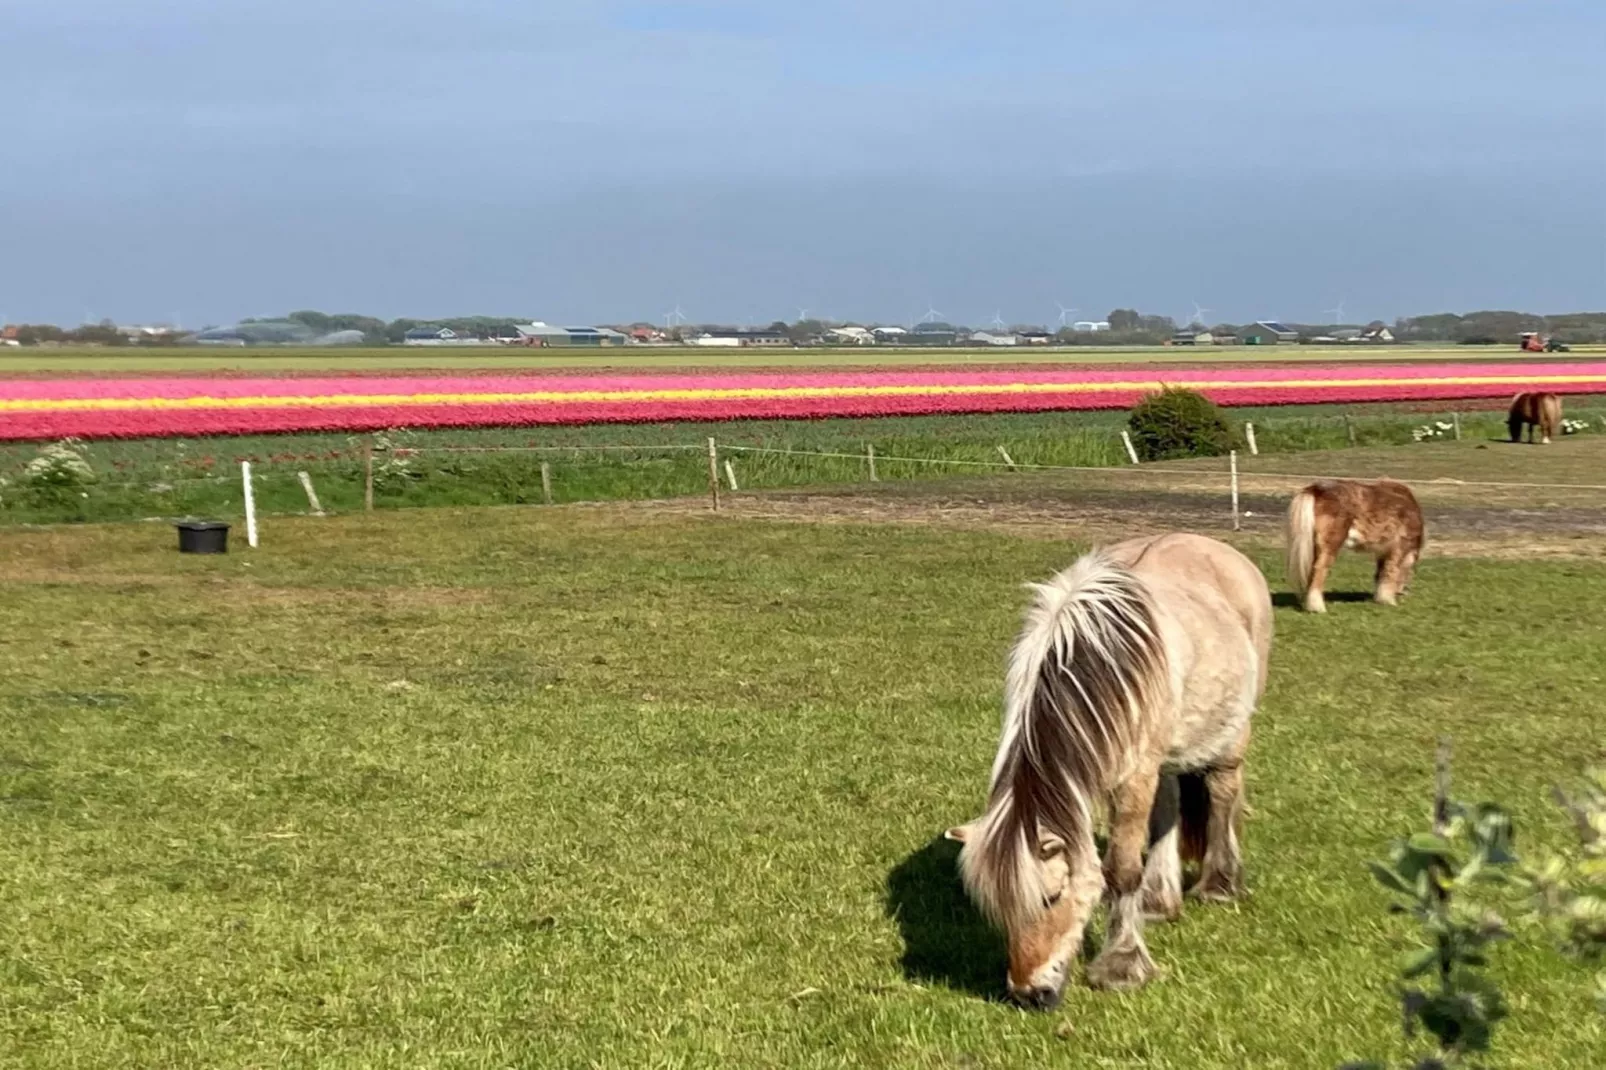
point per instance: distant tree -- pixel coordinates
(1123, 319)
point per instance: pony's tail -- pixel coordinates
(1550, 416)
(1514, 419)
(1087, 665)
(1301, 539)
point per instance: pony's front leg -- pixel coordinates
(1390, 577)
(1221, 875)
(1125, 962)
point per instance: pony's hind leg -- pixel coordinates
(1221, 876)
(1162, 871)
(1329, 541)
(1125, 961)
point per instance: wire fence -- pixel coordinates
(393, 470)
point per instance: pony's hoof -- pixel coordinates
(1315, 607)
(1162, 908)
(1217, 888)
(1121, 971)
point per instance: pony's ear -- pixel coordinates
(961, 833)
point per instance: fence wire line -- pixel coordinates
(1195, 473)
(527, 449)
(1147, 469)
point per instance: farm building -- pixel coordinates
(741, 338)
(888, 335)
(433, 336)
(1090, 326)
(931, 334)
(1268, 333)
(1193, 338)
(849, 336)
(991, 338)
(541, 334)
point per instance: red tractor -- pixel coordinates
(1534, 342)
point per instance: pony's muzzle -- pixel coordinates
(1037, 997)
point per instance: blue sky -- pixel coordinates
(579, 161)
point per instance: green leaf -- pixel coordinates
(1428, 843)
(1416, 963)
(1389, 879)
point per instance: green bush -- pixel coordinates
(1177, 422)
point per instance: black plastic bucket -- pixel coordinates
(203, 537)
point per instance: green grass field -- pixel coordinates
(200, 477)
(203, 359)
(631, 787)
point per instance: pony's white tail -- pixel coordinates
(1088, 664)
(1301, 539)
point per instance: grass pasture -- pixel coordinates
(642, 786)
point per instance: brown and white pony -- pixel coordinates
(1379, 517)
(1137, 663)
(1532, 410)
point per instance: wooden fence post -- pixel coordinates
(1008, 460)
(1349, 425)
(730, 476)
(1456, 416)
(1233, 457)
(312, 495)
(546, 482)
(869, 456)
(1249, 433)
(713, 473)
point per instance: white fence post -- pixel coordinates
(1008, 460)
(250, 505)
(730, 475)
(546, 482)
(312, 495)
(1131, 451)
(1233, 456)
(869, 456)
(1456, 416)
(1249, 433)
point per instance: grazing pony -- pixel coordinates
(1532, 410)
(1137, 663)
(1381, 518)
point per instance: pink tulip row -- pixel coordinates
(106, 408)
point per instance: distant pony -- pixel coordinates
(1381, 518)
(1532, 410)
(1130, 689)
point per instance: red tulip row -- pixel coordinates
(39, 409)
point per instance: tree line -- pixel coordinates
(1127, 326)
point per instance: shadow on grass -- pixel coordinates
(945, 939)
(1289, 600)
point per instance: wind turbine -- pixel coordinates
(1337, 312)
(998, 319)
(1065, 313)
(674, 317)
(802, 314)
(1199, 314)
(932, 315)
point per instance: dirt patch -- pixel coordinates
(1455, 527)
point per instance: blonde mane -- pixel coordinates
(1087, 664)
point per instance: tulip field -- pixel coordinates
(204, 405)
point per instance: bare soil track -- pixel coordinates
(1505, 502)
